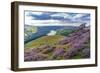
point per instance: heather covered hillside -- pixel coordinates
(60, 44)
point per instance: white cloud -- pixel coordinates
(52, 32)
(36, 13)
(65, 15)
(46, 21)
(28, 16)
(30, 20)
(78, 16)
(50, 23)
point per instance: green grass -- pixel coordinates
(64, 32)
(49, 40)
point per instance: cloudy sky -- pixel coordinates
(55, 18)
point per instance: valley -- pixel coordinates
(65, 44)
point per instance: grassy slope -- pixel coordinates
(51, 40)
(64, 32)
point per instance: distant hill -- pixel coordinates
(29, 31)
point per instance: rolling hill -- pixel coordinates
(49, 40)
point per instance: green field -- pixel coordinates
(49, 40)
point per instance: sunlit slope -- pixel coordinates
(49, 40)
